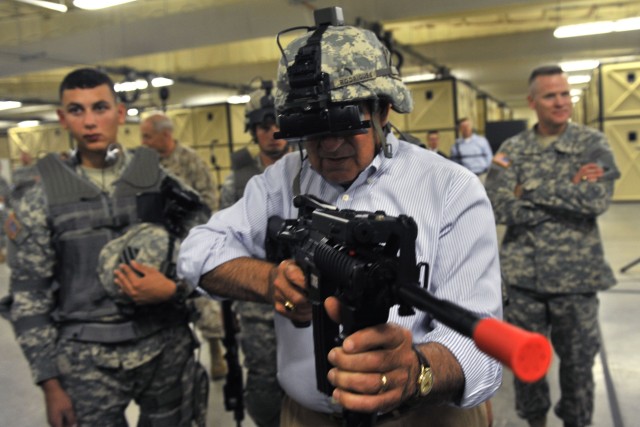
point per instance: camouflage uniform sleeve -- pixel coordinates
(203, 183)
(32, 260)
(4, 199)
(586, 199)
(5, 189)
(501, 185)
(228, 192)
(189, 167)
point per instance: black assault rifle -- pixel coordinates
(368, 261)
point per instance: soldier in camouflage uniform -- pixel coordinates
(262, 392)
(23, 176)
(4, 200)
(548, 185)
(92, 354)
(182, 161)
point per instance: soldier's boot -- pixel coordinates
(538, 422)
(218, 364)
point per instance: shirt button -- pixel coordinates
(345, 197)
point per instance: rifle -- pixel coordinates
(368, 261)
(233, 388)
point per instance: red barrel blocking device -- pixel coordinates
(527, 354)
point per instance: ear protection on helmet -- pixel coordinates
(110, 158)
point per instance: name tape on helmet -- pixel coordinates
(360, 77)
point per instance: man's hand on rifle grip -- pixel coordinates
(365, 358)
(288, 289)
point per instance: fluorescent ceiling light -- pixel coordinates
(238, 99)
(588, 64)
(575, 99)
(46, 4)
(587, 29)
(579, 79)
(600, 27)
(132, 112)
(628, 24)
(28, 123)
(7, 105)
(98, 4)
(418, 78)
(161, 81)
(139, 84)
(575, 92)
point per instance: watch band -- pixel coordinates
(421, 357)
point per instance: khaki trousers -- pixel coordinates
(295, 415)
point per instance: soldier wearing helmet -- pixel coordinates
(262, 392)
(336, 85)
(260, 122)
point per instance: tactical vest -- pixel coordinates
(82, 220)
(244, 167)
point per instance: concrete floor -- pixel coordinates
(617, 370)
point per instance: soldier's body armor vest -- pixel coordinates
(83, 219)
(244, 167)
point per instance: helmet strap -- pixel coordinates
(295, 186)
(377, 127)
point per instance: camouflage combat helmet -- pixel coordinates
(357, 67)
(145, 243)
(260, 107)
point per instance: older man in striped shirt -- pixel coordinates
(351, 160)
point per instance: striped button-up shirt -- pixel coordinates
(474, 153)
(456, 237)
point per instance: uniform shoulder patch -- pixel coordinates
(501, 159)
(12, 226)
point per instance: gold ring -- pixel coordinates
(384, 384)
(289, 306)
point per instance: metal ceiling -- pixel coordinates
(214, 48)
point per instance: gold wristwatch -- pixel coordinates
(425, 377)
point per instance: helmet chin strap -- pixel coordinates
(377, 127)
